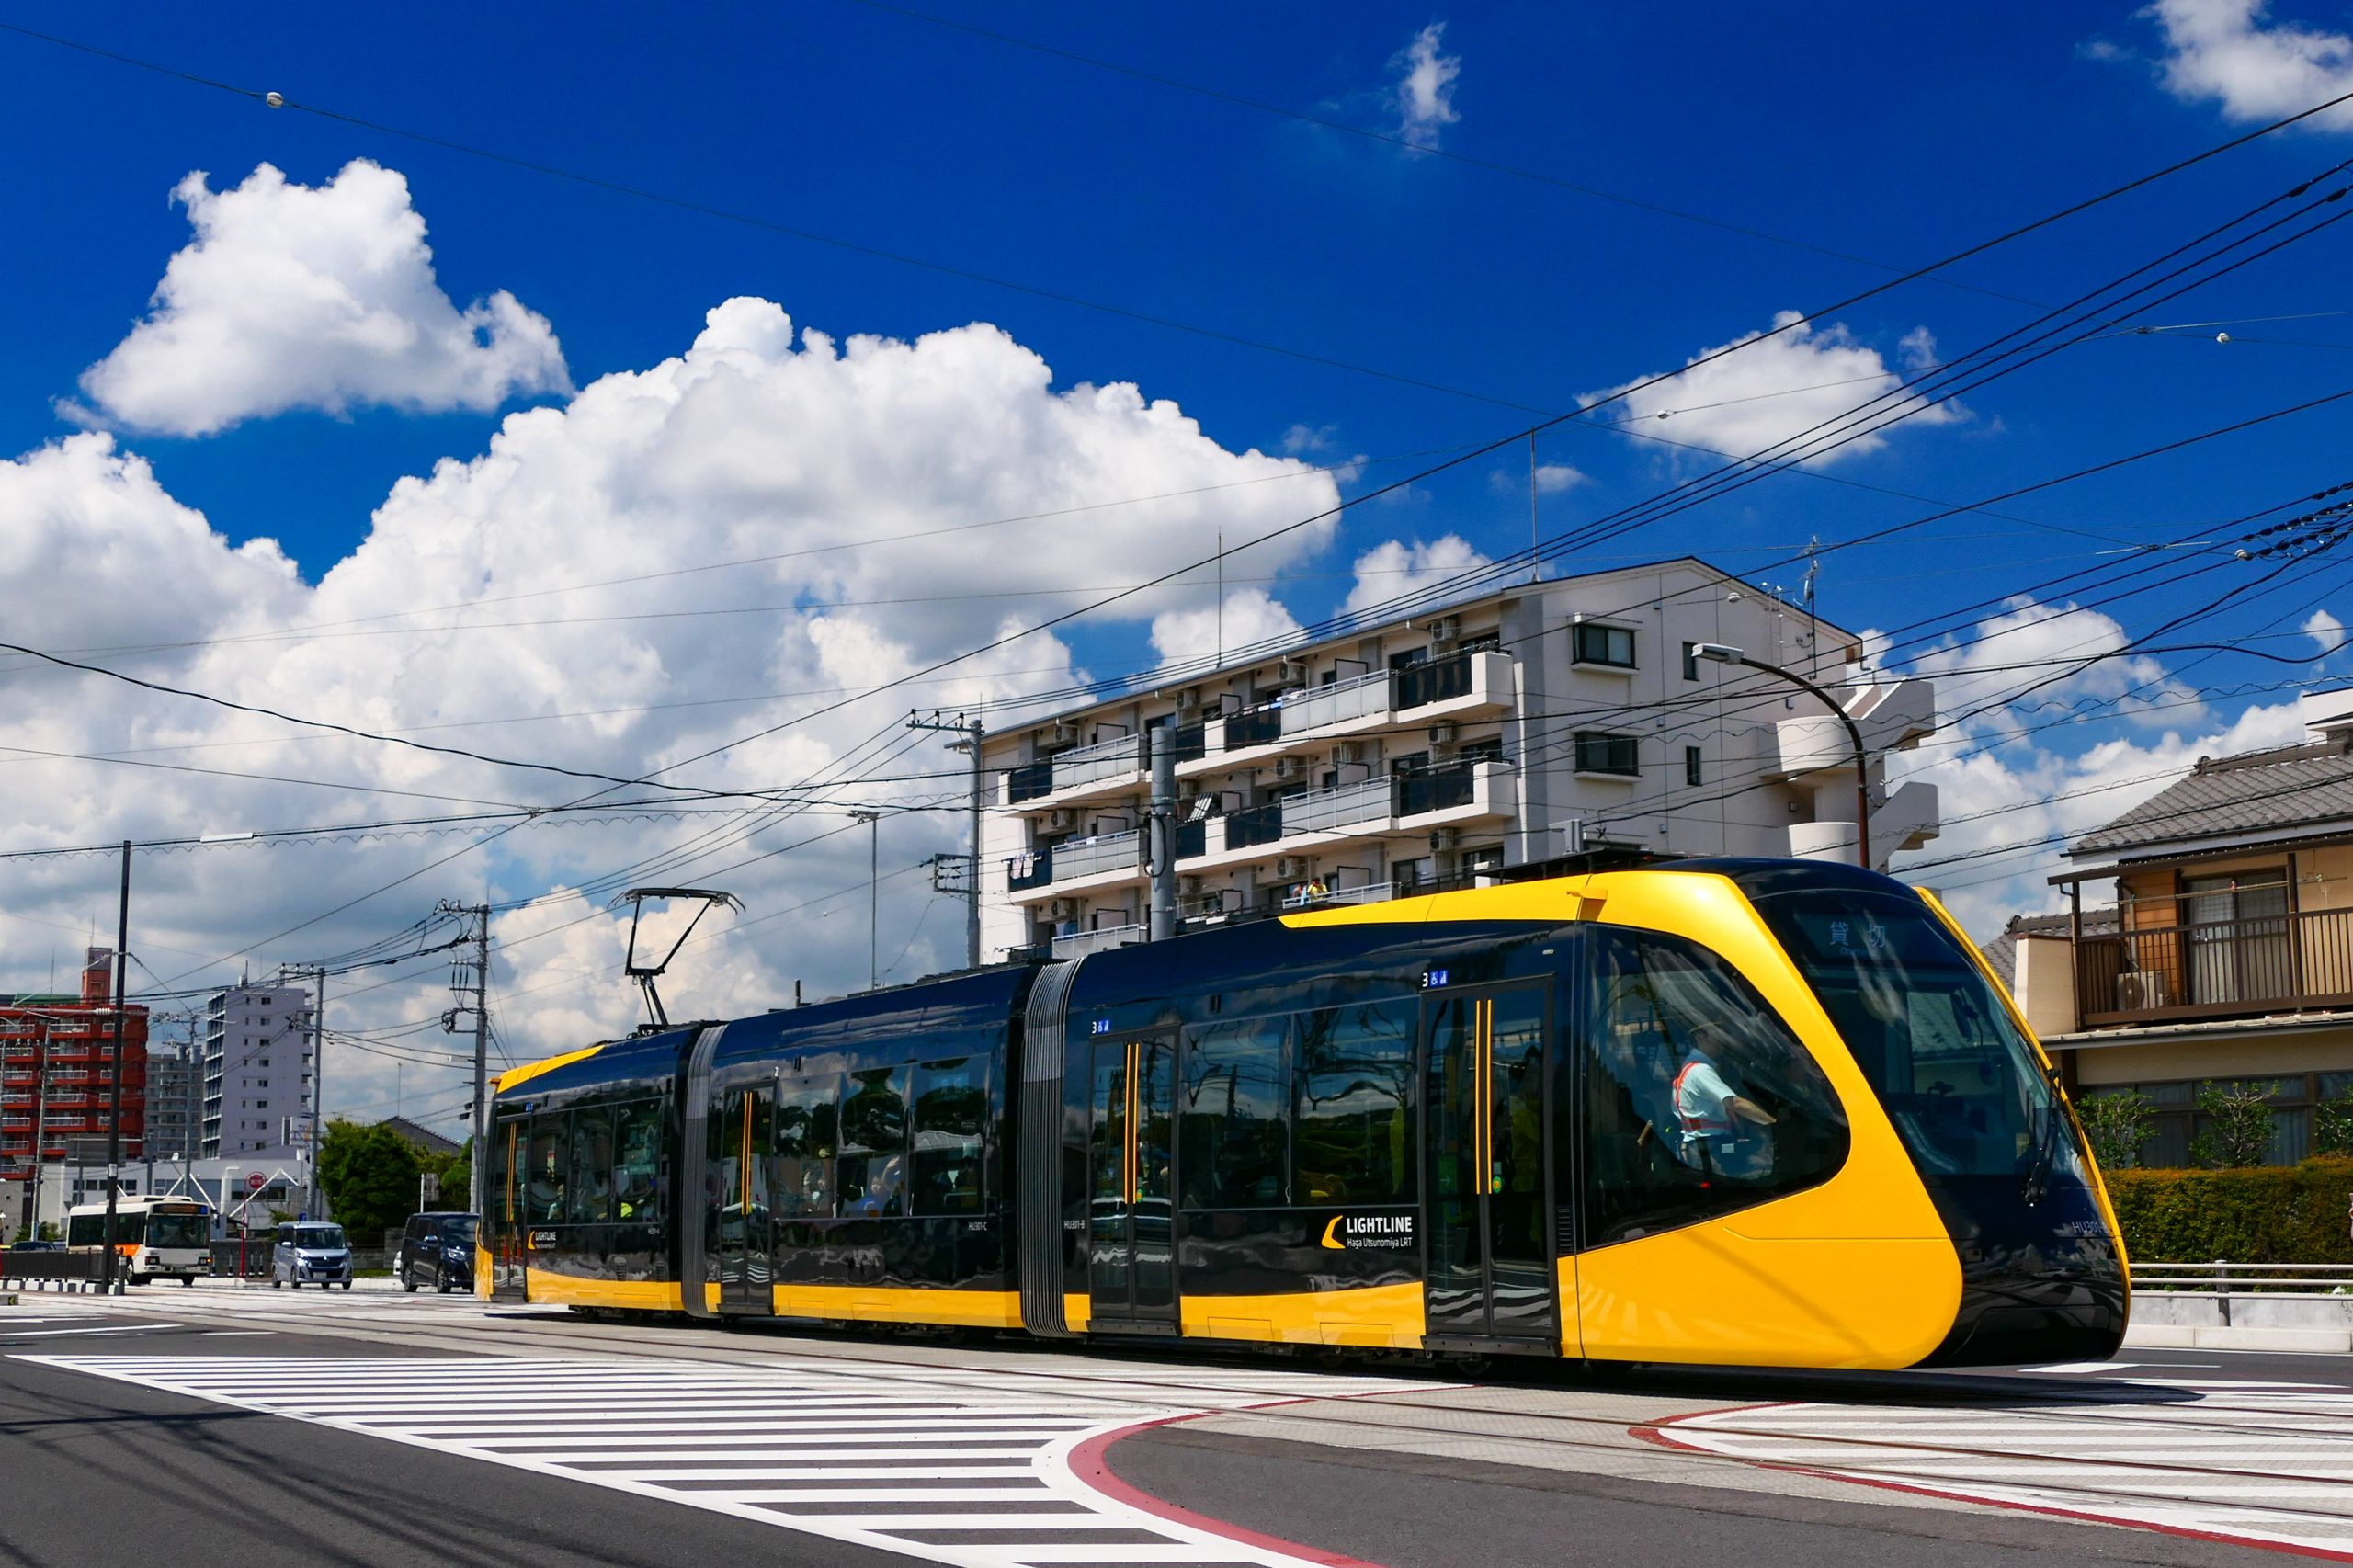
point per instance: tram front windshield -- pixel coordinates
(1965, 1089)
(178, 1230)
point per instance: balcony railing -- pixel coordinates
(2216, 969)
(1105, 759)
(1322, 811)
(1336, 703)
(1081, 942)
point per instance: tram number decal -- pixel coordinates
(1098, 1026)
(1369, 1232)
(1434, 977)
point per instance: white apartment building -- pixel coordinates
(258, 1069)
(1537, 720)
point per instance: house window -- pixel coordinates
(1691, 770)
(1690, 660)
(1594, 643)
(1598, 751)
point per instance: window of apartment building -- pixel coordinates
(1591, 643)
(1693, 773)
(1599, 751)
(1690, 660)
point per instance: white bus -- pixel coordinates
(157, 1238)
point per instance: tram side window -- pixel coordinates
(805, 1142)
(637, 1161)
(1353, 1140)
(1699, 1101)
(951, 1103)
(588, 1198)
(874, 1142)
(1234, 1111)
(544, 1172)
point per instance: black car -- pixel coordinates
(439, 1250)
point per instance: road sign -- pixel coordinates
(256, 1181)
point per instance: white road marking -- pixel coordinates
(114, 1328)
(958, 1465)
(2268, 1464)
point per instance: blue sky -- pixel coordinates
(1885, 132)
(1896, 133)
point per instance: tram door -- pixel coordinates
(1131, 1189)
(507, 1233)
(742, 1155)
(1489, 1268)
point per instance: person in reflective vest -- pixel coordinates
(1721, 1130)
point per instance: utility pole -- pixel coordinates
(874, 820)
(970, 728)
(114, 1119)
(477, 988)
(314, 1206)
(1161, 833)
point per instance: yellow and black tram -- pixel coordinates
(1732, 1111)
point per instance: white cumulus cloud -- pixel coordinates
(2233, 53)
(1424, 94)
(2325, 630)
(1395, 568)
(317, 297)
(792, 519)
(1775, 390)
(1249, 616)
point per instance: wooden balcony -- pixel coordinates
(2276, 963)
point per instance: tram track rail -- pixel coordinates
(1306, 1416)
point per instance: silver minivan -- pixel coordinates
(310, 1252)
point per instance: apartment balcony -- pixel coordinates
(2278, 963)
(1460, 686)
(1298, 824)
(1099, 772)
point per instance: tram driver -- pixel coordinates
(1720, 1129)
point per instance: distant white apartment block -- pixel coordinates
(258, 1069)
(1570, 714)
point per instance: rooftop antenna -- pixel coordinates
(645, 974)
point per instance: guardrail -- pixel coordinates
(2222, 1277)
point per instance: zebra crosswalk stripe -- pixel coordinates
(2246, 1462)
(979, 1475)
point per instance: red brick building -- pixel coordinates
(57, 1074)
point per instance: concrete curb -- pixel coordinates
(2214, 1336)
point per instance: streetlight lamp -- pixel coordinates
(1719, 654)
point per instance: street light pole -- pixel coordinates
(1718, 653)
(122, 1006)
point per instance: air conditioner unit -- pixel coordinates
(1061, 819)
(1063, 909)
(1288, 767)
(1348, 752)
(1189, 699)
(1290, 867)
(1291, 672)
(2140, 989)
(1445, 838)
(1066, 732)
(1190, 887)
(1442, 733)
(1446, 629)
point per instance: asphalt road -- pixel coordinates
(101, 1469)
(99, 1473)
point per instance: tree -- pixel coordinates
(369, 1174)
(2118, 1125)
(2238, 1126)
(2332, 1128)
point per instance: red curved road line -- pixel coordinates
(1088, 1464)
(1651, 1434)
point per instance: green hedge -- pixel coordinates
(2267, 1214)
